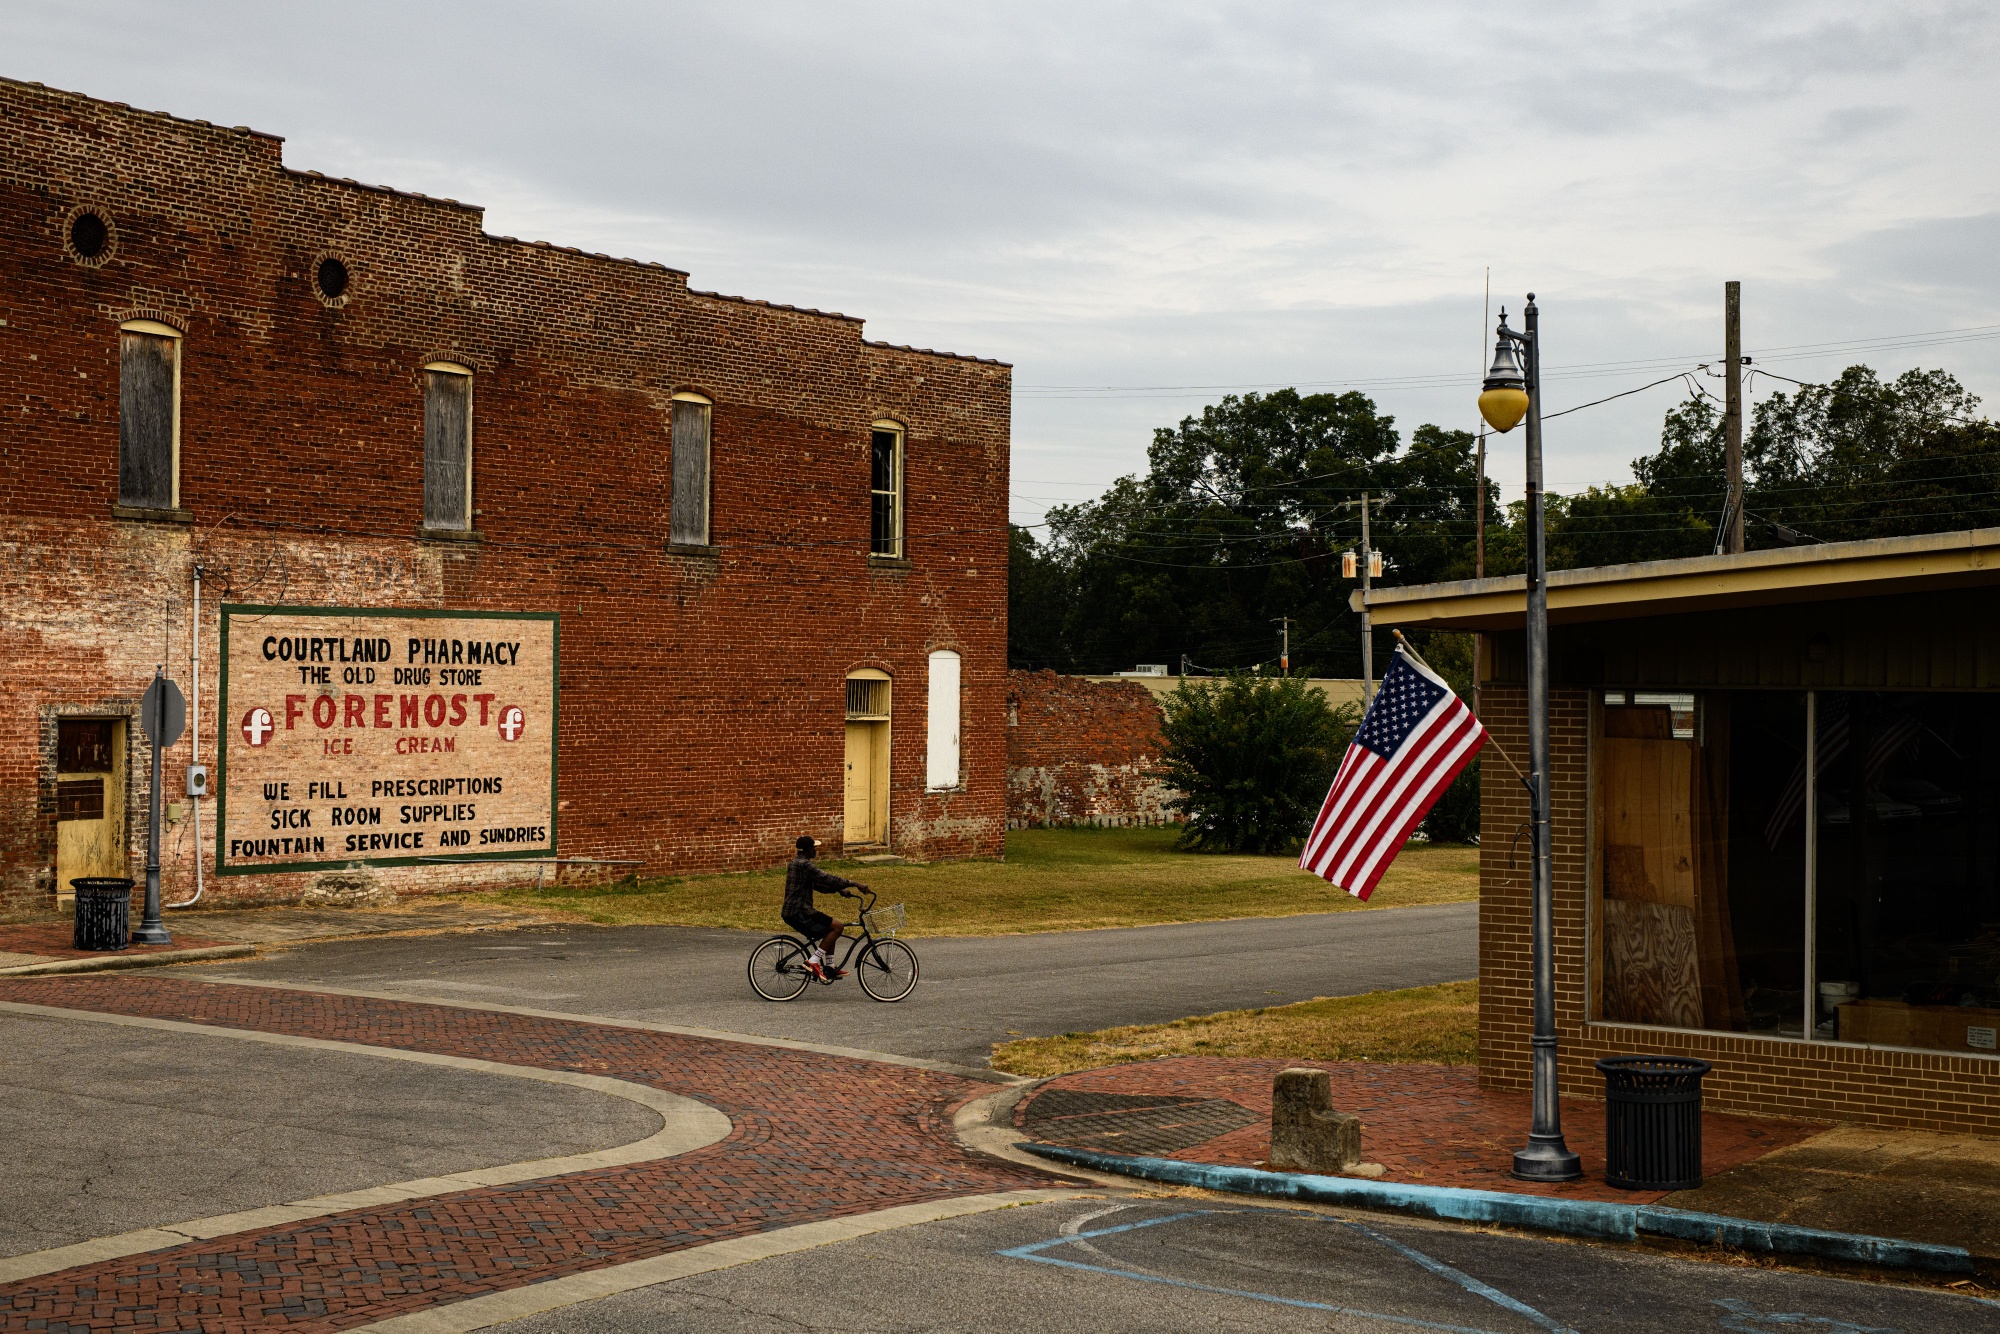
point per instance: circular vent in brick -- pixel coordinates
(330, 278)
(88, 236)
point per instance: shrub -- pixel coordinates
(1455, 817)
(1252, 757)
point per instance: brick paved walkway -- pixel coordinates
(56, 940)
(878, 1135)
(1429, 1125)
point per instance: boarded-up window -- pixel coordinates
(80, 799)
(447, 449)
(941, 750)
(83, 745)
(689, 525)
(148, 379)
(886, 491)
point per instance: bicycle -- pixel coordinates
(886, 968)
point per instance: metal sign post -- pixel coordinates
(163, 717)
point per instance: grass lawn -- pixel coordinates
(1432, 1025)
(1052, 880)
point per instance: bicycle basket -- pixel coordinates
(885, 921)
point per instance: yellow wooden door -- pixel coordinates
(860, 770)
(878, 783)
(90, 800)
(867, 785)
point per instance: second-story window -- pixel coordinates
(689, 517)
(886, 490)
(447, 446)
(149, 415)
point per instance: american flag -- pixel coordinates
(1893, 736)
(1412, 742)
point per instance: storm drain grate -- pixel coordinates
(1132, 1122)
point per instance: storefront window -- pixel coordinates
(1907, 917)
(1701, 885)
(1705, 849)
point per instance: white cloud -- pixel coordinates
(1170, 194)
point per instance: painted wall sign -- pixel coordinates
(392, 737)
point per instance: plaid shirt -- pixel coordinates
(803, 880)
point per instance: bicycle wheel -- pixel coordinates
(888, 970)
(778, 969)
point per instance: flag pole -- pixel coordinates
(1410, 649)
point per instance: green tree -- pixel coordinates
(1861, 457)
(1253, 758)
(1241, 519)
(1038, 598)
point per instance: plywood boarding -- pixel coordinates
(1649, 821)
(1651, 965)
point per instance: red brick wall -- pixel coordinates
(702, 695)
(1080, 752)
(1768, 1076)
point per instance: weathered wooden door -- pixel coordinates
(858, 768)
(867, 785)
(90, 799)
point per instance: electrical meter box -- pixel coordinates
(197, 780)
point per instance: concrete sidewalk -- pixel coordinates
(1434, 1126)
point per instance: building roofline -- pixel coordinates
(351, 183)
(778, 305)
(1819, 572)
(142, 111)
(932, 352)
(583, 254)
(303, 174)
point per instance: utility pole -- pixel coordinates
(1370, 565)
(1285, 654)
(1732, 416)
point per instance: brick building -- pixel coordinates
(774, 551)
(1776, 824)
(1082, 751)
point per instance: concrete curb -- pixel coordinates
(1576, 1218)
(685, 1125)
(111, 961)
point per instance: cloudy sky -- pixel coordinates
(1144, 206)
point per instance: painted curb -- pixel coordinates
(1575, 1218)
(111, 961)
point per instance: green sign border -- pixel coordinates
(225, 729)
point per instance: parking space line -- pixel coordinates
(1464, 1280)
(1033, 1251)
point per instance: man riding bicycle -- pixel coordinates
(802, 881)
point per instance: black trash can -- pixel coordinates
(1652, 1121)
(103, 912)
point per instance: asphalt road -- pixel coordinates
(974, 991)
(106, 1128)
(1113, 1267)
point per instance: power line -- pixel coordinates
(1575, 370)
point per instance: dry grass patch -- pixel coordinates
(1427, 1025)
(1052, 880)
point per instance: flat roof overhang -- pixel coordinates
(1824, 572)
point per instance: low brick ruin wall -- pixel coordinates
(1082, 752)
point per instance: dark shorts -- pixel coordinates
(812, 925)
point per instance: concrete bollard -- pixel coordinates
(1307, 1134)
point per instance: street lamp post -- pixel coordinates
(1513, 389)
